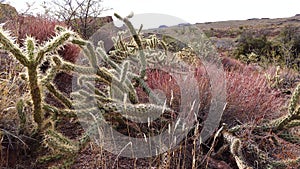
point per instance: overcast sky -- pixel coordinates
(194, 11)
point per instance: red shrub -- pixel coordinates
(70, 52)
(41, 29)
(163, 82)
(231, 64)
(38, 27)
(249, 97)
(167, 84)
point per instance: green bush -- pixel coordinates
(289, 43)
(248, 43)
(283, 51)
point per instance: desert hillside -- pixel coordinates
(225, 33)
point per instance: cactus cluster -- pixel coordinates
(31, 56)
(118, 78)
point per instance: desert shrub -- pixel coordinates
(209, 33)
(252, 91)
(283, 79)
(163, 81)
(248, 43)
(13, 129)
(231, 64)
(289, 43)
(250, 97)
(287, 78)
(282, 51)
(70, 52)
(40, 27)
(12, 88)
(273, 143)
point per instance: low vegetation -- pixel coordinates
(282, 50)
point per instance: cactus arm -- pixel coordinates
(36, 95)
(10, 46)
(53, 45)
(293, 111)
(91, 54)
(30, 44)
(138, 42)
(59, 95)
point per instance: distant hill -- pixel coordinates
(225, 33)
(7, 12)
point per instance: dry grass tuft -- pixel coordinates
(12, 89)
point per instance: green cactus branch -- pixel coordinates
(288, 136)
(292, 124)
(294, 100)
(63, 112)
(92, 92)
(79, 42)
(30, 44)
(139, 79)
(102, 72)
(236, 149)
(106, 58)
(92, 88)
(54, 44)
(117, 68)
(59, 95)
(36, 96)
(51, 73)
(21, 113)
(61, 143)
(90, 53)
(263, 159)
(32, 58)
(9, 45)
(131, 29)
(135, 35)
(293, 111)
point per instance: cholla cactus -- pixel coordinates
(119, 77)
(274, 80)
(31, 56)
(292, 118)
